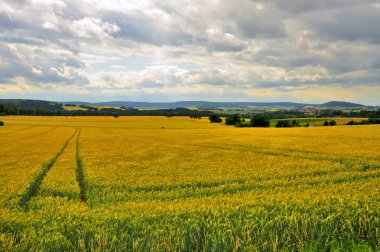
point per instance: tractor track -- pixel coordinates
(34, 186)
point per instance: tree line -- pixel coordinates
(263, 121)
(364, 122)
(9, 110)
(239, 121)
(341, 113)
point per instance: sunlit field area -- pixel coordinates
(175, 183)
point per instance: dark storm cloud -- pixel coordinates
(349, 23)
(205, 26)
(300, 6)
(138, 26)
(338, 57)
(11, 65)
(243, 19)
(347, 81)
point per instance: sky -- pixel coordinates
(175, 50)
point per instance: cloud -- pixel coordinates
(244, 49)
(301, 6)
(350, 23)
(93, 28)
(40, 66)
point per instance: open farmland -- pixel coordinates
(157, 183)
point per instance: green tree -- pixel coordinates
(295, 123)
(259, 121)
(214, 118)
(6, 110)
(233, 120)
(283, 124)
(332, 123)
(374, 120)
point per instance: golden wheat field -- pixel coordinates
(181, 184)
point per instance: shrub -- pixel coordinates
(233, 120)
(214, 118)
(295, 123)
(363, 122)
(332, 123)
(307, 125)
(259, 121)
(374, 120)
(283, 124)
(352, 123)
(1, 123)
(326, 123)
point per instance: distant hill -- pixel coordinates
(57, 106)
(196, 104)
(342, 104)
(32, 104)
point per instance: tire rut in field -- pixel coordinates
(80, 172)
(37, 181)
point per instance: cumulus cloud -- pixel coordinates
(93, 28)
(150, 49)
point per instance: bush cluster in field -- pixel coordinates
(329, 123)
(364, 122)
(238, 121)
(287, 124)
(259, 120)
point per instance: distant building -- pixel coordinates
(309, 111)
